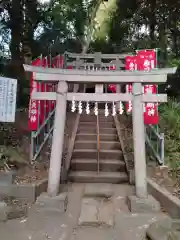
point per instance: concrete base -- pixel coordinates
(3, 211)
(57, 204)
(17, 212)
(27, 192)
(7, 178)
(145, 205)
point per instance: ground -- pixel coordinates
(17, 134)
(64, 226)
(56, 226)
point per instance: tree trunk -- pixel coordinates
(163, 41)
(16, 67)
(152, 23)
(30, 20)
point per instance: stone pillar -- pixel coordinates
(99, 88)
(139, 142)
(58, 140)
(76, 87)
(118, 90)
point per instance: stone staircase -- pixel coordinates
(84, 162)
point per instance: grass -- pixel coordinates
(170, 125)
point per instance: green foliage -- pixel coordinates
(170, 125)
(104, 18)
(174, 62)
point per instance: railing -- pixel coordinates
(98, 143)
(155, 142)
(40, 137)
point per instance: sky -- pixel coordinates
(44, 1)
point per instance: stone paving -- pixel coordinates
(110, 213)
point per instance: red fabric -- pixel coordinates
(112, 87)
(146, 62)
(33, 104)
(130, 65)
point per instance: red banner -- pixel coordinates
(39, 110)
(147, 61)
(130, 65)
(112, 87)
(42, 89)
(52, 88)
(33, 104)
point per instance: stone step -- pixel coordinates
(99, 190)
(93, 137)
(102, 124)
(105, 165)
(92, 154)
(82, 144)
(94, 177)
(101, 111)
(89, 118)
(94, 130)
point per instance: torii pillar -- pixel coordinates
(58, 139)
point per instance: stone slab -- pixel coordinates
(89, 212)
(143, 205)
(98, 190)
(106, 214)
(162, 230)
(3, 211)
(47, 203)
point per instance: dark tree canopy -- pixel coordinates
(29, 28)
